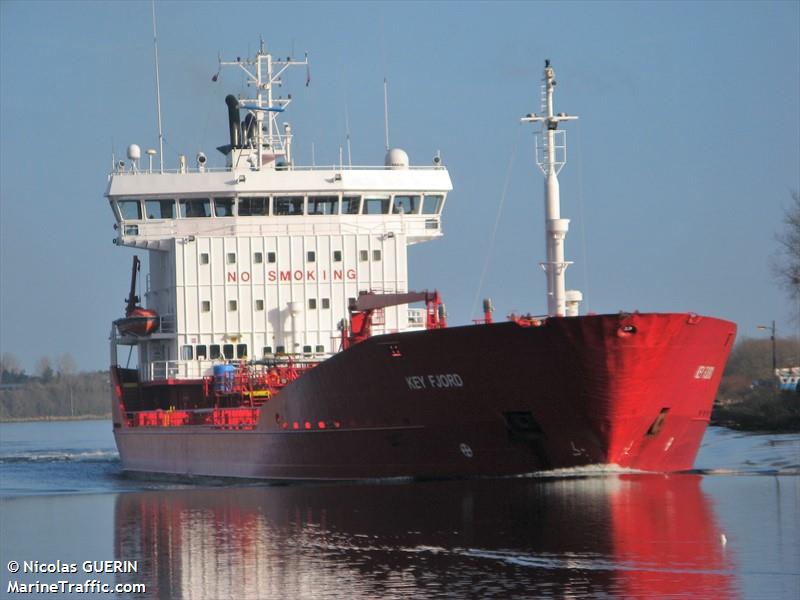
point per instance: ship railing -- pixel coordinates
(412, 226)
(139, 171)
(162, 370)
(168, 324)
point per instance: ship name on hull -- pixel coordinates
(434, 381)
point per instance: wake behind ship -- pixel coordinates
(278, 340)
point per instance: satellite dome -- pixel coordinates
(134, 152)
(396, 159)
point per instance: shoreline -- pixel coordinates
(56, 418)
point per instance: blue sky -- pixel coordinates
(684, 158)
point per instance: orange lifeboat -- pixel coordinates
(137, 321)
(140, 322)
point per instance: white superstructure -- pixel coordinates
(262, 257)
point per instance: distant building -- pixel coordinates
(788, 378)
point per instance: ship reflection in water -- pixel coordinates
(624, 536)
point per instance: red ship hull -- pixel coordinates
(634, 390)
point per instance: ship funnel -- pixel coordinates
(233, 119)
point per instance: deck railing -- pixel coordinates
(128, 170)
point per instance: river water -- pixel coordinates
(730, 529)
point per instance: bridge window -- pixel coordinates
(306, 349)
(201, 352)
(227, 350)
(187, 352)
(160, 209)
(337, 256)
(320, 349)
(253, 207)
(375, 206)
(195, 207)
(267, 350)
(215, 351)
(280, 350)
(288, 205)
(223, 207)
(323, 205)
(241, 350)
(405, 205)
(350, 205)
(130, 210)
(432, 205)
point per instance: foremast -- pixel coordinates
(551, 157)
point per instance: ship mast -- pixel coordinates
(551, 156)
(263, 73)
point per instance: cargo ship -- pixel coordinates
(278, 338)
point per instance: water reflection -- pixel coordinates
(631, 536)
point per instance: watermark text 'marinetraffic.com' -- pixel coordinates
(89, 586)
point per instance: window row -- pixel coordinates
(252, 206)
(205, 305)
(238, 351)
(311, 256)
(214, 351)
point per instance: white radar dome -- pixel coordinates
(134, 152)
(396, 159)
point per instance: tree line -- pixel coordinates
(55, 390)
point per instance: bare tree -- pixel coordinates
(66, 365)
(787, 264)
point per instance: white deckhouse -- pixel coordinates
(261, 258)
